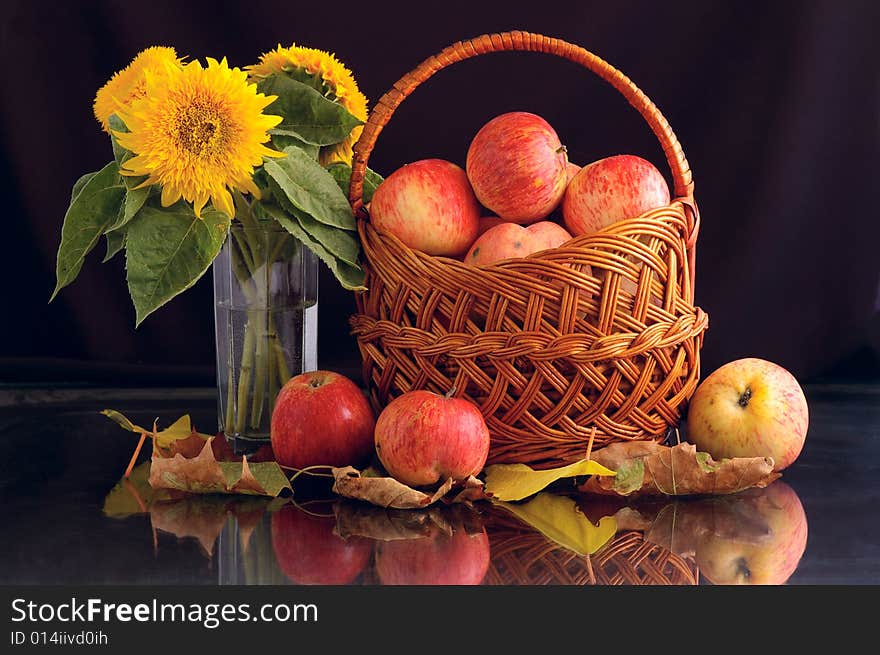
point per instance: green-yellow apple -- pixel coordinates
(429, 205)
(610, 190)
(749, 408)
(422, 438)
(517, 167)
(768, 555)
(511, 240)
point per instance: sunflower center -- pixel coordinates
(199, 129)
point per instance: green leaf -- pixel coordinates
(341, 172)
(79, 184)
(518, 481)
(339, 243)
(559, 519)
(120, 419)
(306, 112)
(282, 139)
(630, 477)
(350, 277)
(311, 189)
(115, 243)
(92, 211)
(167, 251)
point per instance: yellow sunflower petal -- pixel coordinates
(129, 84)
(199, 134)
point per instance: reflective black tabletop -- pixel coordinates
(67, 518)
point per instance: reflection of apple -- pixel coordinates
(461, 558)
(322, 418)
(516, 165)
(610, 190)
(309, 552)
(429, 205)
(726, 559)
(749, 408)
(511, 240)
(422, 438)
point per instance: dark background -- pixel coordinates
(777, 106)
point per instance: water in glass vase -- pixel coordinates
(266, 325)
(282, 343)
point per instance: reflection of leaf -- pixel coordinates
(186, 515)
(382, 524)
(388, 492)
(518, 481)
(650, 468)
(559, 519)
(131, 495)
(201, 517)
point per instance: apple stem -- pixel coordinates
(745, 397)
(451, 392)
(562, 148)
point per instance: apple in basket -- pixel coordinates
(308, 550)
(611, 189)
(749, 408)
(322, 418)
(517, 167)
(769, 557)
(422, 438)
(429, 205)
(511, 240)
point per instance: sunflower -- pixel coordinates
(130, 83)
(336, 81)
(199, 133)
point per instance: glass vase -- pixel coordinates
(266, 323)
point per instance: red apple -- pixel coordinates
(422, 437)
(516, 165)
(322, 418)
(429, 205)
(438, 559)
(308, 551)
(511, 240)
(488, 222)
(610, 190)
(749, 408)
(570, 171)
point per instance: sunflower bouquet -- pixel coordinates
(209, 158)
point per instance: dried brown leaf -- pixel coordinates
(388, 492)
(653, 469)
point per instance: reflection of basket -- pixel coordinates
(525, 557)
(599, 332)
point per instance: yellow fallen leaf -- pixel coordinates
(518, 481)
(559, 519)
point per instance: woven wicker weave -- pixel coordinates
(528, 558)
(600, 332)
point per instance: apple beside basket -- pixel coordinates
(556, 348)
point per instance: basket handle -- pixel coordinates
(526, 41)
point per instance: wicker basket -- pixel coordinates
(600, 332)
